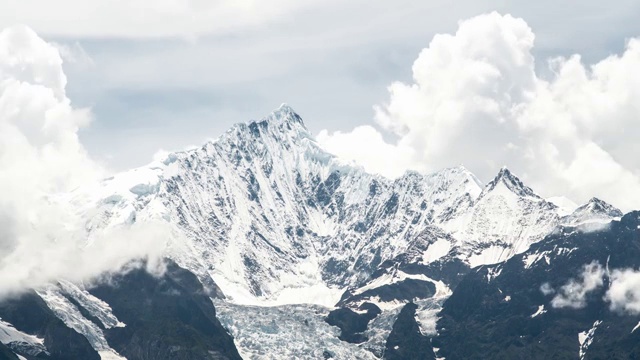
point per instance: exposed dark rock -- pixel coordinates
(168, 317)
(351, 323)
(405, 342)
(30, 314)
(6, 353)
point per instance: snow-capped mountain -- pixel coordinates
(264, 210)
(594, 211)
(263, 216)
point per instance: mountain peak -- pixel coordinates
(595, 200)
(461, 170)
(512, 182)
(595, 210)
(284, 113)
(596, 205)
(504, 171)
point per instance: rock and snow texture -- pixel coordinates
(585, 339)
(69, 313)
(15, 339)
(594, 211)
(505, 220)
(265, 211)
(270, 216)
(541, 310)
(96, 307)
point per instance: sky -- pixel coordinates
(173, 73)
(549, 89)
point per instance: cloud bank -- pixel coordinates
(476, 99)
(41, 238)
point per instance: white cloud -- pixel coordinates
(574, 293)
(623, 294)
(40, 156)
(624, 291)
(476, 99)
(364, 143)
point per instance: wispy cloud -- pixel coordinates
(574, 293)
(622, 294)
(624, 291)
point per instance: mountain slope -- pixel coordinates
(524, 309)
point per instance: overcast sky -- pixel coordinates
(170, 74)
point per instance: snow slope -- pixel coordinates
(29, 344)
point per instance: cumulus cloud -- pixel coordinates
(74, 53)
(41, 237)
(574, 293)
(476, 99)
(624, 291)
